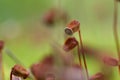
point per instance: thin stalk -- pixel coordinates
(17, 61)
(11, 75)
(115, 32)
(84, 59)
(13, 57)
(79, 56)
(1, 67)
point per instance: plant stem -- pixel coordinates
(84, 59)
(1, 67)
(13, 57)
(79, 56)
(115, 32)
(17, 61)
(11, 75)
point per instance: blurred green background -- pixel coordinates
(20, 22)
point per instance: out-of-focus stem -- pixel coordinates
(17, 61)
(11, 75)
(13, 57)
(59, 4)
(115, 32)
(1, 68)
(84, 59)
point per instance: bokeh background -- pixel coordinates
(28, 38)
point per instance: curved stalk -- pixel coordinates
(13, 57)
(84, 59)
(115, 32)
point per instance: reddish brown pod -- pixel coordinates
(1, 45)
(48, 60)
(49, 17)
(72, 27)
(70, 43)
(98, 76)
(19, 71)
(55, 15)
(42, 68)
(38, 71)
(110, 61)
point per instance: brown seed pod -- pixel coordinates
(70, 43)
(110, 61)
(42, 68)
(19, 71)
(55, 15)
(72, 27)
(98, 76)
(49, 17)
(1, 45)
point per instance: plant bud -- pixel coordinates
(49, 17)
(98, 76)
(72, 27)
(1, 45)
(70, 43)
(19, 71)
(110, 61)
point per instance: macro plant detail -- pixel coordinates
(72, 27)
(19, 71)
(59, 40)
(70, 43)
